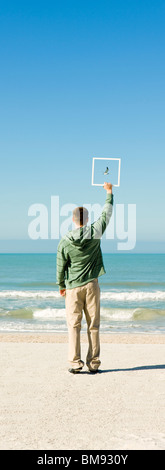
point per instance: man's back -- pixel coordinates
(79, 256)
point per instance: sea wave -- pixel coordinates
(137, 314)
(34, 313)
(16, 294)
(107, 314)
(118, 296)
(49, 313)
(130, 296)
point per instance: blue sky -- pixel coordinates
(81, 79)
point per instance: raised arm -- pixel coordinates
(99, 227)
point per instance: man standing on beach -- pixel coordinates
(79, 264)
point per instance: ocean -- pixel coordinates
(132, 294)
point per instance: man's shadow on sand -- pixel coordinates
(129, 369)
(133, 369)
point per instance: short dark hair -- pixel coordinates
(80, 215)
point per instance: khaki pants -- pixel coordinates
(85, 298)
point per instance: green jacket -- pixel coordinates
(79, 256)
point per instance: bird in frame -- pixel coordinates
(106, 172)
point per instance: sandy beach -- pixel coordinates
(43, 406)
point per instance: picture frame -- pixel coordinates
(117, 184)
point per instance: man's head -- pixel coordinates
(80, 216)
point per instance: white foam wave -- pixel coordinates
(29, 294)
(49, 313)
(108, 295)
(133, 295)
(117, 314)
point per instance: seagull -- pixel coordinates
(106, 172)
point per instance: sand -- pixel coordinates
(44, 407)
